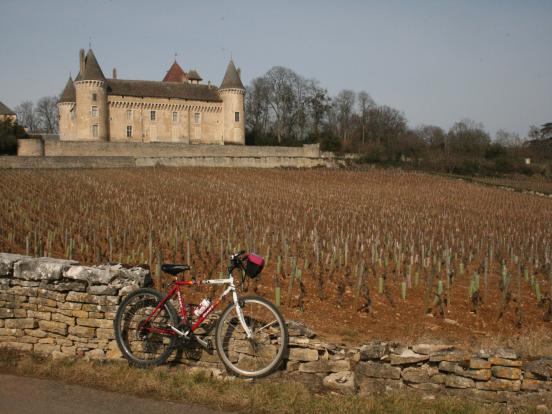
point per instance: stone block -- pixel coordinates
(303, 354)
(449, 356)
(102, 290)
(299, 329)
(104, 333)
(64, 286)
(79, 313)
(504, 362)
(23, 291)
(53, 326)
(21, 346)
(37, 333)
(99, 323)
(15, 332)
(98, 354)
(479, 363)
(46, 348)
(506, 372)
(373, 350)
(416, 374)
(377, 370)
(7, 261)
(426, 386)
(43, 268)
(28, 339)
(496, 384)
(45, 316)
(325, 366)
(429, 349)
(532, 385)
(6, 313)
(27, 323)
(408, 357)
(455, 381)
(506, 353)
(82, 331)
(62, 318)
(541, 368)
(343, 382)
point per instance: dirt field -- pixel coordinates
(356, 255)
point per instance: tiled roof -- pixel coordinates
(4, 110)
(175, 74)
(156, 89)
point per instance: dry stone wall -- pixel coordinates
(61, 308)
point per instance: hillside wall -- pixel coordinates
(60, 308)
(57, 148)
(11, 162)
(53, 153)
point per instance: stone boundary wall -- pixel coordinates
(19, 162)
(60, 308)
(57, 148)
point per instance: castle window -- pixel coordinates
(237, 116)
(129, 131)
(152, 115)
(197, 117)
(94, 97)
(175, 117)
(94, 111)
(129, 115)
(95, 131)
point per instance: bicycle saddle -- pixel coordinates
(174, 269)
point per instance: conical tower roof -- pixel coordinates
(175, 73)
(69, 94)
(231, 78)
(92, 70)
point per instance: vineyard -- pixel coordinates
(356, 255)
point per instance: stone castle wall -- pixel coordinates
(60, 308)
(53, 153)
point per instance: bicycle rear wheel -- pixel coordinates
(264, 351)
(135, 337)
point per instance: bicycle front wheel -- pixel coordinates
(140, 337)
(264, 351)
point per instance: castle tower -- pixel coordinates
(232, 94)
(91, 100)
(67, 112)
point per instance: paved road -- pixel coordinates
(23, 395)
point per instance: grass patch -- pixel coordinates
(265, 396)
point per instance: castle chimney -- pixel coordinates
(114, 73)
(81, 61)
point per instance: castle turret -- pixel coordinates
(67, 112)
(91, 100)
(232, 94)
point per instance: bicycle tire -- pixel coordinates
(229, 356)
(122, 339)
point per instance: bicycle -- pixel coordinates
(251, 335)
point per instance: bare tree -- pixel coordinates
(26, 115)
(507, 139)
(344, 103)
(365, 103)
(47, 114)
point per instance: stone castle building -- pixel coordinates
(177, 109)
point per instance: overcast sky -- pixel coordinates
(437, 61)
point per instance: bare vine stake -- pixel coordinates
(291, 277)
